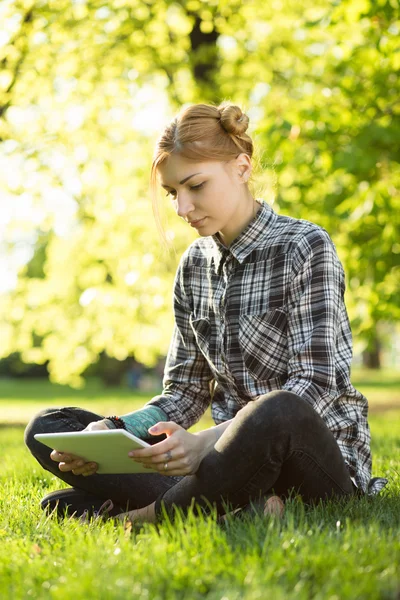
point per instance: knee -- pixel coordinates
(40, 423)
(282, 408)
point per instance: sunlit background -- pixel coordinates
(55, 204)
(85, 89)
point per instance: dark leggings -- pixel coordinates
(276, 443)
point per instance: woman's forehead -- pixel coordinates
(176, 168)
(176, 162)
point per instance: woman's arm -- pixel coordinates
(187, 375)
(316, 316)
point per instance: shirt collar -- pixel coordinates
(252, 236)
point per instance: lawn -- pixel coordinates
(336, 551)
(21, 399)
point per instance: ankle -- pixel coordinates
(146, 514)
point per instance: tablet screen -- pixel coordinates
(109, 449)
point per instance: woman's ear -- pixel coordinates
(243, 165)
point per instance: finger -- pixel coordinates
(64, 467)
(173, 468)
(66, 458)
(174, 457)
(61, 456)
(69, 466)
(96, 426)
(143, 454)
(167, 427)
(155, 450)
(175, 472)
(86, 470)
(56, 456)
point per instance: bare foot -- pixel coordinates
(146, 514)
(274, 506)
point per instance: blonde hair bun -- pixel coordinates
(233, 120)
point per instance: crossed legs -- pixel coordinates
(276, 443)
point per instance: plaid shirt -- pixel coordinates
(265, 314)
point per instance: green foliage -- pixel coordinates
(321, 84)
(330, 127)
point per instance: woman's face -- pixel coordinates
(208, 195)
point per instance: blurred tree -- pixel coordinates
(14, 366)
(86, 87)
(327, 95)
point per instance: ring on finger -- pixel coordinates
(165, 466)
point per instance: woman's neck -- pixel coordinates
(227, 239)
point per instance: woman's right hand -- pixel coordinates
(76, 464)
(71, 462)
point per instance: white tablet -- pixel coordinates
(109, 449)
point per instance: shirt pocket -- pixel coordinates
(263, 343)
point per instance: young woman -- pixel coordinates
(261, 333)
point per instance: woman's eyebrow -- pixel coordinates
(183, 180)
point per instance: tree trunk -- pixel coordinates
(111, 370)
(372, 354)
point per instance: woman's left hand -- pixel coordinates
(181, 452)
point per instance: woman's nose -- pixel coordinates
(183, 206)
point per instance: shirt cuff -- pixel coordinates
(169, 407)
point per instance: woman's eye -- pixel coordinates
(193, 187)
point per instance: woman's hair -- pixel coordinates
(201, 132)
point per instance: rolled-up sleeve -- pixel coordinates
(187, 376)
(315, 311)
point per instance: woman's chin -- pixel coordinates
(206, 229)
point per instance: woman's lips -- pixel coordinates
(197, 223)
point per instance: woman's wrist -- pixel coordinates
(209, 437)
(114, 422)
(207, 440)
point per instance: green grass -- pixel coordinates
(21, 399)
(335, 551)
